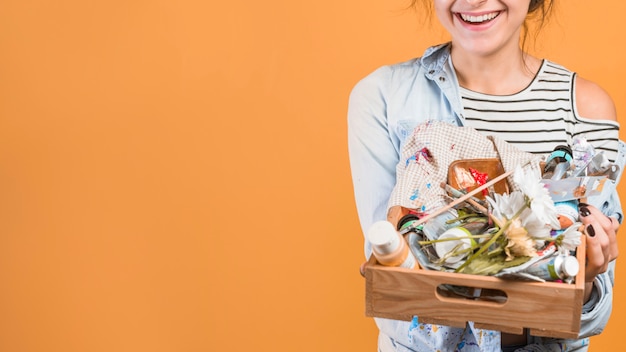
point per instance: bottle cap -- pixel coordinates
(407, 220)
(383, 237)
(563, 152)
(570, 266)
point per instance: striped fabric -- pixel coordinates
(541, 116)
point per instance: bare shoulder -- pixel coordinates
(593, 102)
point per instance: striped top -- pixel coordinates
(541, 116)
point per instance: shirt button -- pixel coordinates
(442, 78)
(431, 72)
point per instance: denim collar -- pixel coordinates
(438, 68)
(435, 58)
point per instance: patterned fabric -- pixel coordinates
(428, 152)
(439, 338)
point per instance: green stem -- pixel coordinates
(453, 239)
(456, 252)
(491, 241)
(494, 252)
(482, 248)
(463, 217)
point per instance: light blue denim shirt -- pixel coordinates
(384, 108)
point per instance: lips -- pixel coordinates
(478, 19)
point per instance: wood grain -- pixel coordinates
(550, 309)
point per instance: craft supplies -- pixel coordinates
(558, 163)
(567, 213)
(517, 228)
(555, 267)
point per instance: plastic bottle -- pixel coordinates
(388, 246)
(556, 267)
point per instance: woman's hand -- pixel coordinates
(601, 243)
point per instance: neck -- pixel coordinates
(501, 73)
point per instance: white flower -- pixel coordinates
(536, 227)
(570, 238)
(505, 206)
(537, 196)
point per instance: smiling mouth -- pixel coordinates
(471, 19)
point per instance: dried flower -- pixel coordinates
(519, 242)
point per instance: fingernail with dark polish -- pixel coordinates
(590, 231)
(581, 204)
(584, 211)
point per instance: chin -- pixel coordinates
(482, 48)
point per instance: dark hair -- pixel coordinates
(538, 12)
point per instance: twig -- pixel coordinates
(459, 200)
(457, 194)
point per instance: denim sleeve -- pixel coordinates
(597, 310)
(373, 155)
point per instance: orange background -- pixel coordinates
(174, 174)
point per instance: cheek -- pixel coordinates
(520, 8)
(443, 13)
(519, 20)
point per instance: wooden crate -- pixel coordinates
(550, 309)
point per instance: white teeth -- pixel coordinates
(478, 19)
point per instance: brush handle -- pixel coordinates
(459, 200)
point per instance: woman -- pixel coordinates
(484, 79)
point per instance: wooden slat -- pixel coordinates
(549, 309)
